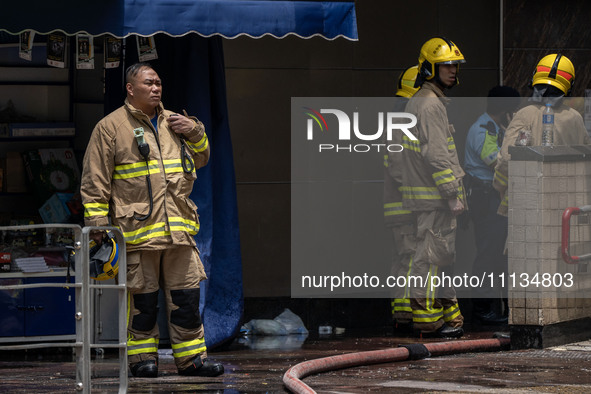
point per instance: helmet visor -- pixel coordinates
(457, 61)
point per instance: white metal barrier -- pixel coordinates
(83, 316)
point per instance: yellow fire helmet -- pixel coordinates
(556, 70)
(406, 82)
(104, 258)
(437, 50)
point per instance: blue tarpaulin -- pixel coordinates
(227, 18)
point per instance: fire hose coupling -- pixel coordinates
(416, 351)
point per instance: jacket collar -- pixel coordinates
(139, 113)
(430, 86)
(434, 88)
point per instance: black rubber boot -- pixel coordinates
(444, 331)
(203, 368)
(145, 369)
(449, 332)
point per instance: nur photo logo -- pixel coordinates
(349, 130)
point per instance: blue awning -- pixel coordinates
(227, 18)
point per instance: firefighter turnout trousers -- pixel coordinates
(434, 305)
(404, 245)
(177, 271)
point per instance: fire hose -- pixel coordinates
(292, 378)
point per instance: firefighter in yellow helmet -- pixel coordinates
(553, 79)
(432, 189)
(401, 222)
(435, 53)
(406, 83)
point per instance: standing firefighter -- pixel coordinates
(553, 79)
(139, 170)
(400, 221)
(432, 189)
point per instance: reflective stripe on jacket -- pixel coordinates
(394, 213)
(114, 187)
(431, 169)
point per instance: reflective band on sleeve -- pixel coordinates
(444, 176)
(188, 348)
(395, 208)
(420, 193)
(134, 170)
(500, 178)
(413, 145)
(386, 161)
(199, 146)
(96, 209)
(451, 145)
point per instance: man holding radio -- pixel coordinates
(138, 172)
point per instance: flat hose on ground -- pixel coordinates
(291, 379)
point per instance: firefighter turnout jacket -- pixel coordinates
(394, 213)
(114, 183)
(431, 173)
(569, 129)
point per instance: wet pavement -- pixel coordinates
(257, 365)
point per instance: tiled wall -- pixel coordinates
(539, 192)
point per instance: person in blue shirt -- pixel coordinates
(485, 138)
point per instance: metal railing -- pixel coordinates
(83, 317)
(565, 246)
